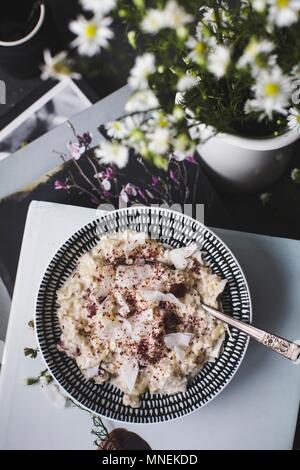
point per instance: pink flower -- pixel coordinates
(85, 139)
(191, 159)
(127, 191)
(61, 185)
(124, 195)
(76, 150)
(106, 184)
(155, 180)
(130, 189)
(108, 173)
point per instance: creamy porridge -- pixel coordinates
(131, 314)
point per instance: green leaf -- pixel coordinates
(31, 352)
(32, 380)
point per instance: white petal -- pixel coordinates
(129, 276)
(157, 296)
(120, 328)
(124, 309)
(146, 315)
(179, 257)
(91, 372)
(179, 340)
(128, 373)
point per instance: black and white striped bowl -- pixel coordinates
(176, 230)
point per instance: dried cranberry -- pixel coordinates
(171, 322)
(179, 290)
(92, 309)
(87, 293)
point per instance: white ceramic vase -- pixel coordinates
(242, 165)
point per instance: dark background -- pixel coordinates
(103, 75)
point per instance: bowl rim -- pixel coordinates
(238, 364)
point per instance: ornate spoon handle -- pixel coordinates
(282, 346)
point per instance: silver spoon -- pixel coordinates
(282, 346)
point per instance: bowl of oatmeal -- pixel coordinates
(119, 318)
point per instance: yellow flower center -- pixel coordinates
(91, 30)
(162, 122)
(283, 3)
(61, 68)
(272, 89)
(252, 48)
(117, 126)
(298, 119)
(200, 47)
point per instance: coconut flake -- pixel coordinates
(104, 284)
(157, 296)
(180, 340)
(146, 315)
(129, 276)
(221, 286)
(124, 309)
(198, 256)
(134, 240)
(179, 257)
(120, 328)
(128, 373)
(91, 372)
(180, 353)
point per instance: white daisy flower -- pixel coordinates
(56, 67)
(265, 198)
(294, 119)
(259, 5)
(201, 132)
(198, 49)
(101, 7)
(182, 148)
(186, 83)
(253, 50)
(154, 21)
(140, 101)
(112, 153)
(92, 34)
(295, 175)
(116, 129)
(295, 84)
(218, 61)
(132, 123)
(296, 71)
(143, 67)
(209, 17)
(175, 15)
(284, 12)
(272, 93)
(159, 141)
